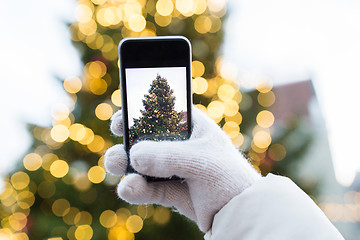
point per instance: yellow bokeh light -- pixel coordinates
(60, 207)
(96, 69)
(231, 108)
(83, 13)
(89, 137)
(265, 119)
(262, 139)
(25, 199)
(116, 98)
(77, 132)
(100, 17)
(161, 215)
(216, 6)
(7, 191)
(17, 221)
(109, 16)
(162, 21)
(215, 109)
(238, 96)
(202, 24)
(134, 223)
(197, 69)
(83, 218)
(59, 133)
(32, 161)
(88, 28)
(216, 24)
(70, 216)
(199, 6)
(164, 7)
(145, 211)
(130, 9)
(238, 140)
(97, 145)
(123, 213)
(184, 7)
(72, 85)
(277, 152)
(108, 219)
(96, 174)
(199, 85)
(137, 23)
(83, 232)
(201, 107)
(226, 92)
(120, 233)
(235, 118)
(98, 86)
(266, 99)
(258, 150)
(104, 111)
(231, 127)
(18, 236)
(59, 168)
(20, 180)
(265, 87)
(48, 159)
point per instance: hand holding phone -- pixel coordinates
(155, 78)
(214, 171)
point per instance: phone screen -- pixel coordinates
(155, 79)
(156, 103)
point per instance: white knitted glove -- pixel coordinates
(213, 169)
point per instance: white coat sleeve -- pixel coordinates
(272, 208)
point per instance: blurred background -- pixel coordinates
(280, 77)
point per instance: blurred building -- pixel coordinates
(316, 169)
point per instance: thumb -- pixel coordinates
(115, 160)
(116, 125)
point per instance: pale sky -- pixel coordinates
(287, 40)
(138, 83)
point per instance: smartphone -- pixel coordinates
(155, 82)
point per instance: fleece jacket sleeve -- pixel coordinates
(272, 208)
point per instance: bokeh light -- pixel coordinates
(116, 98)
(72, 85)
(265, 119)
(59, 133)
(103, 111)
(32, 161)
(134, 224)
(20, 180)
(108, 218)
(96, 174)
(164, 7)
(59, 168)
(84, 232)
(199, 85)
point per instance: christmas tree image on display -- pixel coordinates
(159, 120)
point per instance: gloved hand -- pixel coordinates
(213, 169)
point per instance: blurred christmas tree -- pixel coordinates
(61, 189)
(159, 120)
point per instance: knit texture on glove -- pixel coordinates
(213, 169)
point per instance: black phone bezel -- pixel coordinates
(151, 52)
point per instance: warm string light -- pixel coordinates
(93, 19)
